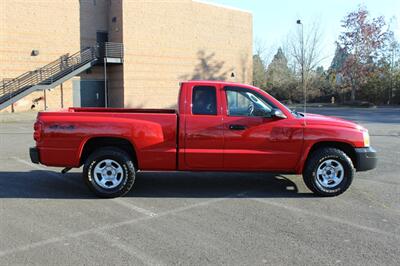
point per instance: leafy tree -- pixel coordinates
(364, 41)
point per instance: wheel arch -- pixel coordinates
(347, 148)
(94, 143)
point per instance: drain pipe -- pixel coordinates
(105, 83)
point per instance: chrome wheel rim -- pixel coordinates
(108, 174)
(330, 173)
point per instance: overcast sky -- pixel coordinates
(273, 20)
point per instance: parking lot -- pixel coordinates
(200, 218)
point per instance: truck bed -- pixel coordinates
(121, 110)
(152, 132)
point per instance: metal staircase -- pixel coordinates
(57, 72)
(46, 77)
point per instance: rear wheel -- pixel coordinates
(329, 172)
(109, 172)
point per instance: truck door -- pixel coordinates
(203, 143)
(252, 139)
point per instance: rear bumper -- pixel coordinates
(34, 154)
(366, 158)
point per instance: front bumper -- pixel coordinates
(366, 158)
(34, 154)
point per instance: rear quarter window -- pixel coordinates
(204, 100)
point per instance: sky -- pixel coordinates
(273, 20)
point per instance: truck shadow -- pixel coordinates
(52, 185)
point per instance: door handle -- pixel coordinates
(237, 127)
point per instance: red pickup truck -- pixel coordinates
(218, 126)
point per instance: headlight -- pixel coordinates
(366, 138)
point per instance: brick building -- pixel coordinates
(151, 46)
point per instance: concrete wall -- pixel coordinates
(169, 41)
(52, 27)
(116, 72)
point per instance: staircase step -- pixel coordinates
(49, 76)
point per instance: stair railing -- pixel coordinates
(47, 74)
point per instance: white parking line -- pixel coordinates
(325, 217)
(111, 226)
(58, 176)
(129, 205)
(115, 242)
(118, 201)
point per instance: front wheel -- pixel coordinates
(329, 172)
(109, 172)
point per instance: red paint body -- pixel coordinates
(172, 140)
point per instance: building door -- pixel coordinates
(101, 36)
(101, 39)
(92, 93)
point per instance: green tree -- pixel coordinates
(335, 78)
(280, 78)
(393, 59)
(319, 87)
(259, 72)
(339, 59)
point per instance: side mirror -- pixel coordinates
(277, 113)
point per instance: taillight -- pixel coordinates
(37, 134)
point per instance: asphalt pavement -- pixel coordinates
(47, 218)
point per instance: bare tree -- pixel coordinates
(305, 48)
(262, 57)
(263, 51)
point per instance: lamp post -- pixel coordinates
(302, 66)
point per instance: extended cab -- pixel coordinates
(218, 126)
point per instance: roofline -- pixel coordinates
(220, 82)
(223, 6)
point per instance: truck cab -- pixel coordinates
(235, 127)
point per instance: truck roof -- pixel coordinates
(214, 82)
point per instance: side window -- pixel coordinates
(204, 100)
(242, 102)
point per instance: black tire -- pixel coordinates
(317, 160)
(125, 168)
